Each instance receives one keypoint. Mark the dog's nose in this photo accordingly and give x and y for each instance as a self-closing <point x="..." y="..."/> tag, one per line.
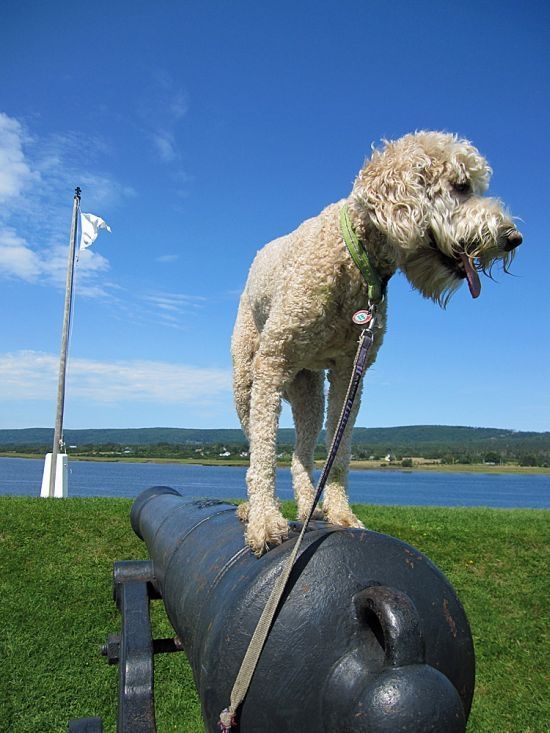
<point x="513" y="240"/>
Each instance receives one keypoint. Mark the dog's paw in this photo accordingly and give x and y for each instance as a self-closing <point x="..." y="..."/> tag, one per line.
<point x="265" y="529"/>
<point x="242" y="511"/>
<point x="303" y="514"/>
<point x="343" y="518"/>
<point x="304" y="500"/>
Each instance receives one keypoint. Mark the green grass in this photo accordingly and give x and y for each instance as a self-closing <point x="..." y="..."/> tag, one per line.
<point x="56" y="560"/>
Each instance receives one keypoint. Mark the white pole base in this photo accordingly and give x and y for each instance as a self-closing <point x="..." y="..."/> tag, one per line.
<point x="61" y="488"/>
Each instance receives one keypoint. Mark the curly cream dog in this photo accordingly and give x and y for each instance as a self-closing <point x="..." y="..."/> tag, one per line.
<point x="417" y="205"/>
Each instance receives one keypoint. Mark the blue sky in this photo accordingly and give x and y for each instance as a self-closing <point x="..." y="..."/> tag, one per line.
<point x="200" y="131"/>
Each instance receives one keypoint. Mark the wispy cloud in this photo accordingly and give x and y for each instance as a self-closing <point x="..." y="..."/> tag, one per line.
<point x="32" y="375"/>
<point x="166" y="259"/>
<point x="20" y="261"/>
<point x="162" y="109"/>
<point x="176" y="300"/>
<point x="36" y="181"/>
<point x="165" y="145"/>
<point x="17" y="259"/>
<point x="15" y="171"/>
<point x="174" y="309"/>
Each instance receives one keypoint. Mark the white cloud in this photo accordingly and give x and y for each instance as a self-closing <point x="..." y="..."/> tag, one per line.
<point x="167" y="258"/>
<point x="34" y="227"/>
<point x="32" y="375"/>
<point x="173" y="309"/>
<point x="178" y="101"/>
<point x="15" y="171"/>
<point x="165" y="145"/>
<point x="104" y="190"/>
<point x="49" y="265"/>
<point x="177" y="300"/>
<point x="162" y="108"/>
<point x="17" y="259"/>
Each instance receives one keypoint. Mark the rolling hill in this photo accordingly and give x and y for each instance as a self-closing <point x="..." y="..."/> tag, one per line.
<point x="402" y="438"/>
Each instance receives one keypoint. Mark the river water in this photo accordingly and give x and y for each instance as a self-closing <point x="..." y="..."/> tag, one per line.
<point x="23" y="476"/>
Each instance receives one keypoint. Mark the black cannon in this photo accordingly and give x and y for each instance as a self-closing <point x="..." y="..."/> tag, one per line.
<point x="369" y="636"/>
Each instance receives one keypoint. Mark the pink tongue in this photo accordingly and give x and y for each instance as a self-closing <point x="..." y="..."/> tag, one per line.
<point x="474" y="282"/>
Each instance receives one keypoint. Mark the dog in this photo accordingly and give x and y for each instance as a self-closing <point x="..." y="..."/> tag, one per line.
<point x="418" y="206"/>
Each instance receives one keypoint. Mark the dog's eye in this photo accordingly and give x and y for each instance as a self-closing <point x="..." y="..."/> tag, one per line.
<point x="462" y="187"/>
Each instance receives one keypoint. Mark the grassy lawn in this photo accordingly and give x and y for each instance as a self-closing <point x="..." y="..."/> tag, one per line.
<point x="56" y="560"/>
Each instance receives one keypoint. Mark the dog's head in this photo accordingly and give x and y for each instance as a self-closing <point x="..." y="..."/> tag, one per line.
<point x="424" y="192"/>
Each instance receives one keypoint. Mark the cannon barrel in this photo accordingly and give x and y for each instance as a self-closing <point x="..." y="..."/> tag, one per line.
<point x="370" y="636"/>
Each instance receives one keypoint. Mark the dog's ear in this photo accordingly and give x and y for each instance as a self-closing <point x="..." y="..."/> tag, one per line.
<point x="392" y="186"/>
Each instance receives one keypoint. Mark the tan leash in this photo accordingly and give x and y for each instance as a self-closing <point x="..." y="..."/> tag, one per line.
<point x="228" y="717"/>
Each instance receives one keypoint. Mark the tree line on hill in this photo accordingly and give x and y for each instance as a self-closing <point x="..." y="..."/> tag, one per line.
<point x="448" y="444"/>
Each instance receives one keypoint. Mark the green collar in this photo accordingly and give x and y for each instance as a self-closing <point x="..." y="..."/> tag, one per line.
<point x="376" y="288"/>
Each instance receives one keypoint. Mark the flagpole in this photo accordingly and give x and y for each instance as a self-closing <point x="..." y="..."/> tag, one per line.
<point x="58" y="432"/>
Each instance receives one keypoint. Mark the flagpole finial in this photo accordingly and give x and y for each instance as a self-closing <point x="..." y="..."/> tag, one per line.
<point x="77" y="193"/>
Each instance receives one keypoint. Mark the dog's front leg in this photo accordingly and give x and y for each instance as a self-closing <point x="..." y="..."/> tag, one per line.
<point x="336" y="506"/>
<point x="265" y="525"/>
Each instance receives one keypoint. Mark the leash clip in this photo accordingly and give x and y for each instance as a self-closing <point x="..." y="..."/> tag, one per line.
<point x="372" y="321"/>
<point x="370" y="325"/>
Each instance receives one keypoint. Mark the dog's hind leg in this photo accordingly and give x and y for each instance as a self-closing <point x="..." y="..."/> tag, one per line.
<point x="336" y="505"/>
<point x="305" y="394"/>
<point x="244" y="344"/>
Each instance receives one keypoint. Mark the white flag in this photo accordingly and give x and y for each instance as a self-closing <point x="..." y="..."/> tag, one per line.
<point x="90" y="226"/>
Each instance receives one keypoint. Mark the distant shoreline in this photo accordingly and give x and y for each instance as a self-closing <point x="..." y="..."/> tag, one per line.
<point x="355" y="465"/>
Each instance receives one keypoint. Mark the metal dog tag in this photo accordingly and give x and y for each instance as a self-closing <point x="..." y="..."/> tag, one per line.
<point x="362" y="317"/>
